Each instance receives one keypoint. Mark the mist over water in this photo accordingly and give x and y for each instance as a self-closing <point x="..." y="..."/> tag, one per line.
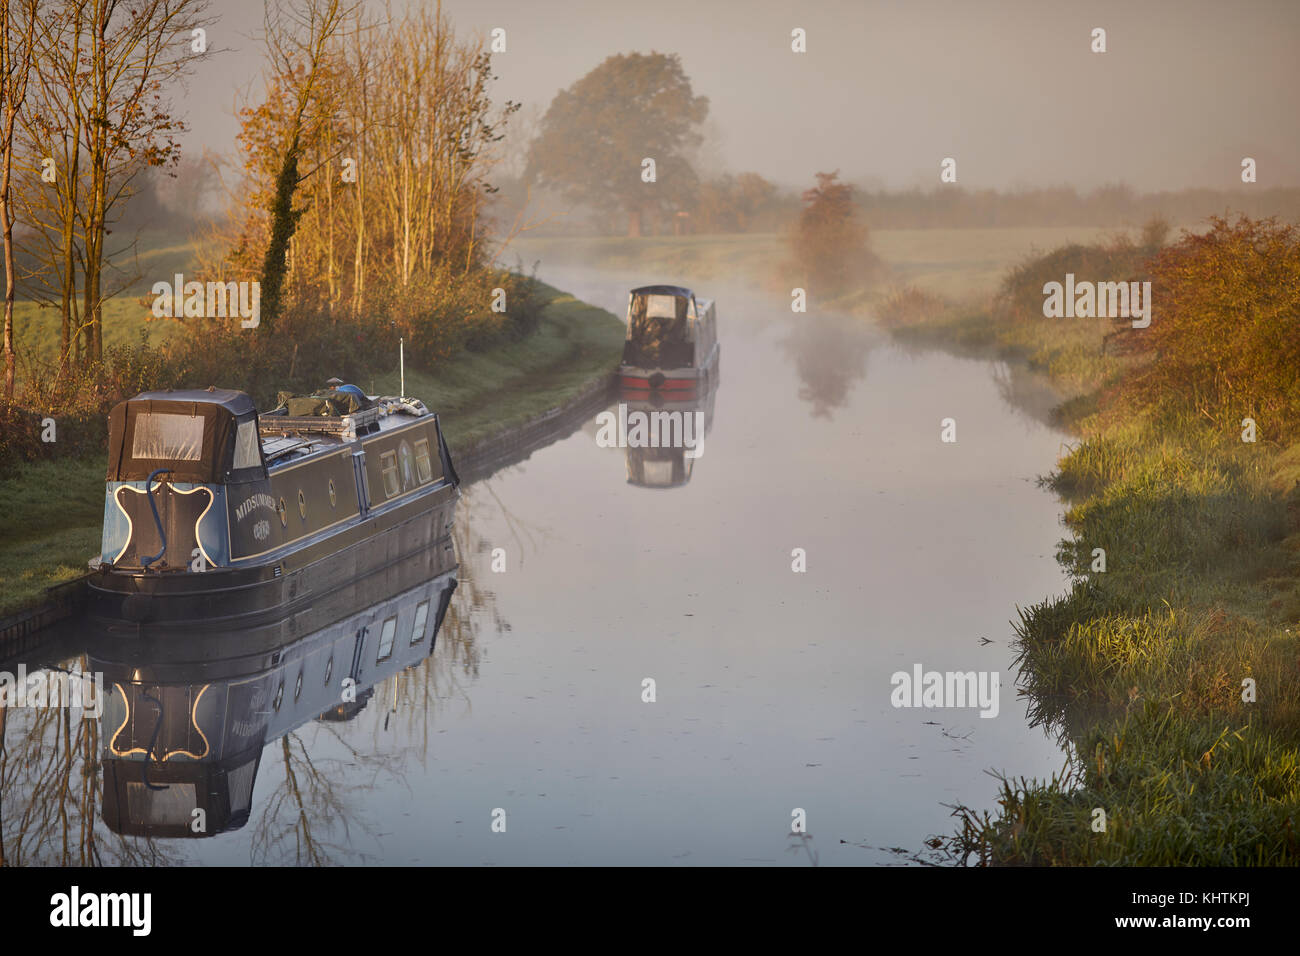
<point x="773" y="687"/>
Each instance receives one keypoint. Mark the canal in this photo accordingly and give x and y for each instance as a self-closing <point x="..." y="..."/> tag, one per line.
<point x="529" y="735"/>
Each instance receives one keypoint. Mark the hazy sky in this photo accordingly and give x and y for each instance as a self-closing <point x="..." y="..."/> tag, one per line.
<point x="886" y="90"/>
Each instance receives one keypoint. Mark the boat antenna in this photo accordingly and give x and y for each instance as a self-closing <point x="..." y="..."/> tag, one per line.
<point x="401" y="364"/>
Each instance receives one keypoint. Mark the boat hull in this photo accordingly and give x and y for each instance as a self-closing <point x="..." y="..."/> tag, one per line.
<point x="296" y="592"/>
<point x="675" y="384"/>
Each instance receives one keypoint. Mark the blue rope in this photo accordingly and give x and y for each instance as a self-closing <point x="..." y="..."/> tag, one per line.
<point x="148" y="490"/>
<point x="153" y="742"/>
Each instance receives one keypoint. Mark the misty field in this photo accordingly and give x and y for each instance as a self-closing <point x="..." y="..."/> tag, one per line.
<point x="955" y="263"/>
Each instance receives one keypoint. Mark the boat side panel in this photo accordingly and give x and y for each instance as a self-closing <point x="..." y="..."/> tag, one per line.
<point x="392" y="470"/>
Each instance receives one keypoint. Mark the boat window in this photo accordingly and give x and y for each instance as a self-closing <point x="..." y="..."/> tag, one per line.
<point x="388" y="465"/>
<point x="421" y="618"/>
<point x="386" y="640"/>
<point x="161" y="436"/>
<point x="661" y="306"/>
<point x="423" y="469"/>
<point x="248" y="453"/>
<point x="172" y="805"/>
<point x="659" y="472"/>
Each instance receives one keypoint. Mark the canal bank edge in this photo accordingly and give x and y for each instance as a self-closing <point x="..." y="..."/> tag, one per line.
<point x="1148" y="667"/>
<point x="583" y="391"/>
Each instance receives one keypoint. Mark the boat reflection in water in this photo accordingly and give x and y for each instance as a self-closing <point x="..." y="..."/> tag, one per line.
<point x="185" y="722"/>
<point x="670" y="464"/>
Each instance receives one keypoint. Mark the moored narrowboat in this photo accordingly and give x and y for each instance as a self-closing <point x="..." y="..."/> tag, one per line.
<point x="218" y="517"/>
<point x="672" y="340"/>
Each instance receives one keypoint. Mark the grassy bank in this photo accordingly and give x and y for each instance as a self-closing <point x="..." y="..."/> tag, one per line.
<point x="51" y="511"/>
<point x="1171" y="669"/>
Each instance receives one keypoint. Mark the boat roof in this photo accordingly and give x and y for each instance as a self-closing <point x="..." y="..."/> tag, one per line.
<point x="288" y="438"/>
<point x="237" y="403"/>
<point x="677" y="290"/>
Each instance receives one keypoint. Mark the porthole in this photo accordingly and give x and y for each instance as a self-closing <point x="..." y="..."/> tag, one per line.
<point x="279" y="695"/>
<point x="297" y="688"/>
<point x="333" y="497"/>
<point x="284" y="515"/>
<point x="302" y="505"/>
<point x="329" y="671"/>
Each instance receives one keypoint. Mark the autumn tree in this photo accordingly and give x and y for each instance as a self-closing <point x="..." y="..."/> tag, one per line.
<point x="17" y="37"/>
<point x="597" y="134"/>
<point x="99" y="116"/>
<point x="829" y="243"/>
<point x="730" y="203"/>
<point x="1224" y="339"/>
<point x="381" y="222"/>
<point x="298" y="39"/>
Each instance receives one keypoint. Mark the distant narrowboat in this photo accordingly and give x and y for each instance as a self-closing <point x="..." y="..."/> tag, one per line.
<point x="218" y="517"/>
<point x="672" y="340"/>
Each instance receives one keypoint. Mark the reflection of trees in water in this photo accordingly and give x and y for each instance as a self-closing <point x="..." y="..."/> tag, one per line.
<point x="1021" y="387"/>
<point x="50" y="791"/>
<point x="1025" y="390"/>
<point x="313" y="814"/>
<point x="319" y="779"/>
<point x="419" y="692"/>
<point x="474" y="606"/>
<point x="829" y="354"/>
<point x="310" y="816"/>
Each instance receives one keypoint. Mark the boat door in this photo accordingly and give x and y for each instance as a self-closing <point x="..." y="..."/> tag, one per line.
<point x="363" y="487"/>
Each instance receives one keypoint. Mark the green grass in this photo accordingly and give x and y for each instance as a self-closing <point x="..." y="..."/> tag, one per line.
<point x="50" y="518"/>
<point x="51" y="512"/>
<point x="480" y="393"/>
<point x="1139" y="670"/>
<point x="38" y="330"/>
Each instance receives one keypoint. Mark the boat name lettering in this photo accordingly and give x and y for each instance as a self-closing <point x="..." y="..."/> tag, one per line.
<point x="256" y="501"/>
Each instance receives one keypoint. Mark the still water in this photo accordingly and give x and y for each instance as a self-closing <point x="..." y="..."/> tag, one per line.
<point x="772" y="688"/>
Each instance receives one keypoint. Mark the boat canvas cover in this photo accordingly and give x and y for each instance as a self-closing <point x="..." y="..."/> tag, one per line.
<point x="330" y="403"/>
<point x="658" y="331"/>
<point x="191" y="432"/>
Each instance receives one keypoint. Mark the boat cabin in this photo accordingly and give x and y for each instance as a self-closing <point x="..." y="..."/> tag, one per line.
<point x="668" y="329"/>
<point x="199" y="480"/>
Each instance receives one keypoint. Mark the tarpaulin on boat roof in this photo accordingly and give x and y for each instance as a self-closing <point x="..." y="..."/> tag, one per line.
<point x="193" y="432"/>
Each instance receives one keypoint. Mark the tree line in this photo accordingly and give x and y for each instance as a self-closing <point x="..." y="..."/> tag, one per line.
<point x="590" y="151"/>
<point x="356" y="204"/>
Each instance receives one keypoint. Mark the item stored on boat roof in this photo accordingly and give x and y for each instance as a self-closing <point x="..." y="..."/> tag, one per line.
<point x="329" y="402"/>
